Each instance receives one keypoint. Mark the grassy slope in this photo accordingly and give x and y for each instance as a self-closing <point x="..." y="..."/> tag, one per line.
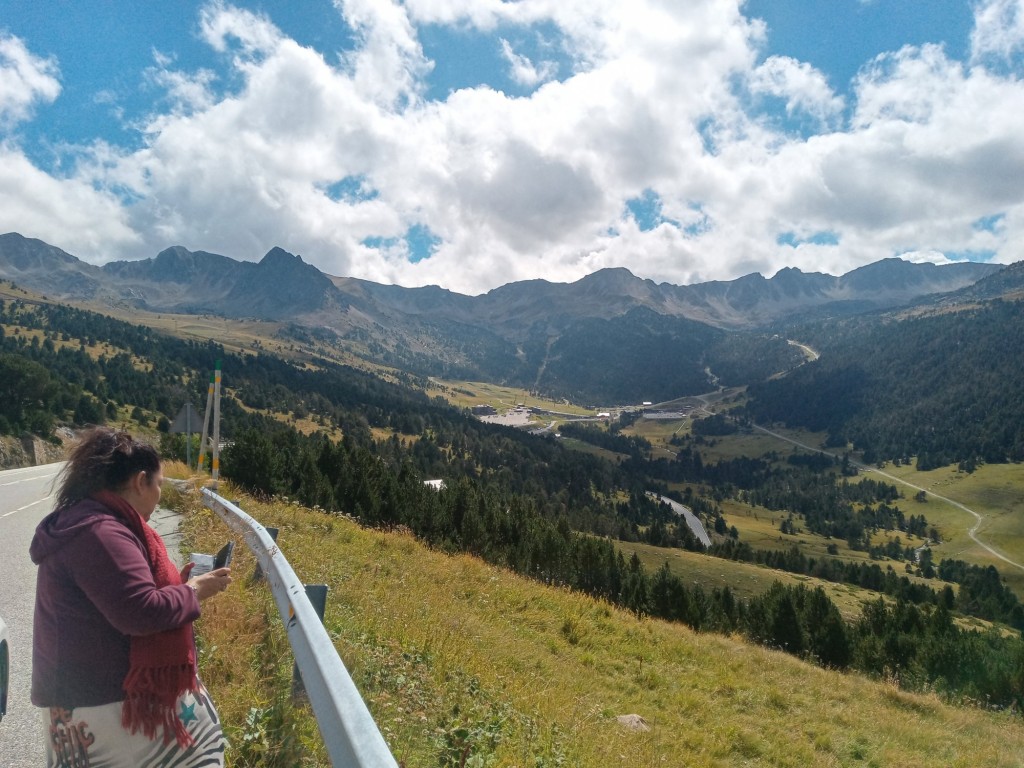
<point x="466" y="394"/>
<point x="535" y="675"/>
<point x="243" y="336"/>
<point x="745" y="579"/>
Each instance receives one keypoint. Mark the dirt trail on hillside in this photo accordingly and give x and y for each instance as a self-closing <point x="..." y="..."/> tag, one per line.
<point x="972" y="531"/>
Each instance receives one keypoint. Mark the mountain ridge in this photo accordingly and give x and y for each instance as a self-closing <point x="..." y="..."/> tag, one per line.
<point x="747" y="302"/>
<point x="530" y="333"/>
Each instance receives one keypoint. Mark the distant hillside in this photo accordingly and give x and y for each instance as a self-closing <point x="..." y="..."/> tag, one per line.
<point x="942" y="386"/>
<point x="47" y="269"/>
<point x="1007" y="283"/>
<point x="581" y="340"/>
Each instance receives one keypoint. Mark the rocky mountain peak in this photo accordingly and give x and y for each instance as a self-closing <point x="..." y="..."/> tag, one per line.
<point x="279" y="257"/>
<point x="282" y="285"/>
<point x="898" y="276"/>
<point x="27" y="254"/>
<point x="610" y="276"/>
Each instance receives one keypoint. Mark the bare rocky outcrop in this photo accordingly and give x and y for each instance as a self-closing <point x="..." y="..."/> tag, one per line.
<point x="12" y="454"/>
<point x="30" y="450"/>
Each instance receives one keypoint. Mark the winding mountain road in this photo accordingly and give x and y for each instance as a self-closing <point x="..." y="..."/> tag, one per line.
<point x="972" y="531"/>
<point x="692" y="521"/>
<point x="811" y="354"/>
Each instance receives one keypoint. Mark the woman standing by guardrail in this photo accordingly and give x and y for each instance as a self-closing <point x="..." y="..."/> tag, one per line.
<point x="114" y="658"/>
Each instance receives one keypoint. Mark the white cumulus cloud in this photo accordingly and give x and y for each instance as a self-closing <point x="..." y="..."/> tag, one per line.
<point x="25" y="80"/>
<point x="998" y="30"/>
<point x="338" y="154"/>
<point x="804" y="88"/>
<point x="523" y="71"/>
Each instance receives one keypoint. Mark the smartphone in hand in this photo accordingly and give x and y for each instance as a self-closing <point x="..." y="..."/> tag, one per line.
<point x="223" y="558"/>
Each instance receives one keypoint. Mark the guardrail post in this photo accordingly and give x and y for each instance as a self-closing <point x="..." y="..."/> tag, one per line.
<point x="257" y="575"/>
<point x="317" y="594"/>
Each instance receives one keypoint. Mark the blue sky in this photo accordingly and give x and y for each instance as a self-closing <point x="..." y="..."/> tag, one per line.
<point x="469" y="143"/>
<point x="840" y="40"/>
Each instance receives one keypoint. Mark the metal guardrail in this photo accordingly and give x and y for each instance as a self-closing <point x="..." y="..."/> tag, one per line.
<point x="346" y="726"/>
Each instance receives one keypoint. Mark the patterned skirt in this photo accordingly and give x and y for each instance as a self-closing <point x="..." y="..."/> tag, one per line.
<point x="92" y="737"/>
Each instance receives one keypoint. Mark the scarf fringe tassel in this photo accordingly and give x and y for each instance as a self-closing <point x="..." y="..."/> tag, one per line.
<point x="151" y="700"/>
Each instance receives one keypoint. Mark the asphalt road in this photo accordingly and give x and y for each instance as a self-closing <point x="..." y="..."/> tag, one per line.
<point x="25" y="499"/>
<point x="686" y="513"/>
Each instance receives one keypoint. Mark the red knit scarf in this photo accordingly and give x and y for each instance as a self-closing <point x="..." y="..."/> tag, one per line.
<point x="162" y="666"/>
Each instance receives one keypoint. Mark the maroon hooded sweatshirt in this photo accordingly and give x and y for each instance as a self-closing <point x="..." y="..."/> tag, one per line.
<point x="94" y="590"/>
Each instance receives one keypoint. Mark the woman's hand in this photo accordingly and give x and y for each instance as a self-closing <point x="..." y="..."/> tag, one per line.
<point x="209" y="584"/>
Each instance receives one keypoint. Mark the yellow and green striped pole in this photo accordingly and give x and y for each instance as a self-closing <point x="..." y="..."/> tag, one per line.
<point x="206" y="425"/>
<point x="216" y="425"/>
